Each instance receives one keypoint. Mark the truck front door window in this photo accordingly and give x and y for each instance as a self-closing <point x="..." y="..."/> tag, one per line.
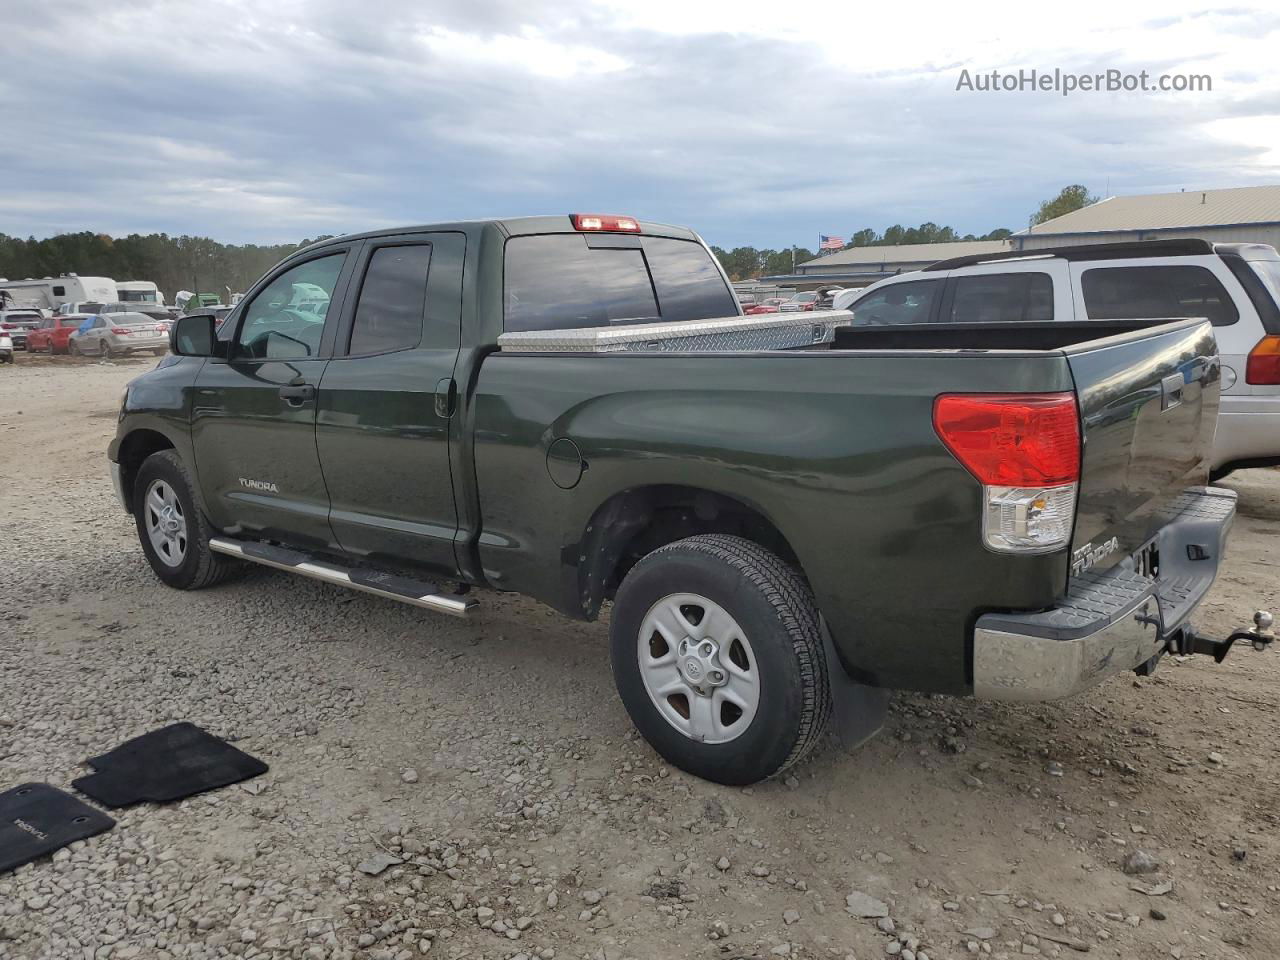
<point x="285" y="320"/>
<point x="900" y="303"/>
<point x="1162" y="291"/>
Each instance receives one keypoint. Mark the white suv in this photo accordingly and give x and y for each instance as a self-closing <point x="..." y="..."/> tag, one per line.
<point x="1235" y="285"/>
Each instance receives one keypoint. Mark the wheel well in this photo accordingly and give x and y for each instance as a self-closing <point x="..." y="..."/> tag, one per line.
<point x="636" y="522"/>
<point x="134" y="449"/>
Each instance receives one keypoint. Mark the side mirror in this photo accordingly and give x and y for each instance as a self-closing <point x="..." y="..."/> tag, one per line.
<point x="194" y="337"/>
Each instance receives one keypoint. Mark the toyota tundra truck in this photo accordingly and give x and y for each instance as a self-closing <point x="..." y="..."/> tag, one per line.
<point x="789" y="516"/>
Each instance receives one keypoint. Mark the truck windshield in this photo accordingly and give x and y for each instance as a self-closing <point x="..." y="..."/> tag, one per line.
<point x="138" y="296"/>
<point x="558" y="282"/>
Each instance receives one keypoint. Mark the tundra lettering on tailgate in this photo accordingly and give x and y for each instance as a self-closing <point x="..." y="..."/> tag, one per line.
<point x="265" y="485"/>
<point x="1086" y="556"/>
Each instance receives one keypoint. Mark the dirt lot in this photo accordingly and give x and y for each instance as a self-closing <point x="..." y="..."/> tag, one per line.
<point x="494" y="759"/>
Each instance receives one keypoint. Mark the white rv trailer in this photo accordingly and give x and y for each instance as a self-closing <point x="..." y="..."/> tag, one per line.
<point x="139" y="291"/>
<point x="50" y="293"/>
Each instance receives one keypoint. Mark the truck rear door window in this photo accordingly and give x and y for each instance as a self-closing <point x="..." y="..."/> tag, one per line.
<point x="393" y="298"/>
<point x="559" y="281"/>
<point x="1002" y="298"/>
<point x="1158" y="291"/>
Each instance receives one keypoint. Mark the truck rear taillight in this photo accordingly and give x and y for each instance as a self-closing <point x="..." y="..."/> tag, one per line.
<point x="604" y="223"/>
<point x="1264" y="362"/>
<point x="1025" y="450"/>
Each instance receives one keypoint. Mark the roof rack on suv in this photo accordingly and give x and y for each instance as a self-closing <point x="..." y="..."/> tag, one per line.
<point x="1089" y="251"/>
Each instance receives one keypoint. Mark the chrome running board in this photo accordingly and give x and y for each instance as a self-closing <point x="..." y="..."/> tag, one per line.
<point x="419" y="593"/>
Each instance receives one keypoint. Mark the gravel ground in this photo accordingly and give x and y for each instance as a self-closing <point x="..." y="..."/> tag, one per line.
<point x="486" y="773"/>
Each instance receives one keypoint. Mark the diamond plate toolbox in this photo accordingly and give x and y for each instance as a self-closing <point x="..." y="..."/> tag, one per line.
<point x="765" y="332"/>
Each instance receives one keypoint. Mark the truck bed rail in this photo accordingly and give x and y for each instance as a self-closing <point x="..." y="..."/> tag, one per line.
<point x="778" y="331"/>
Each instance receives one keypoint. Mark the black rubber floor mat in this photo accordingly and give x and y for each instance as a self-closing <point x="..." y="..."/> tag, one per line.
<point x="37" y="819"/>
<point x="168" y="764"/>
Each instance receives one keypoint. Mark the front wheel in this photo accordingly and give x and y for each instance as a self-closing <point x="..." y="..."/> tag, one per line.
<point x="173" y="532"/>
<point x="717" y="654"/>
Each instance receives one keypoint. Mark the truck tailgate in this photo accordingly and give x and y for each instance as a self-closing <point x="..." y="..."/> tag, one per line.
<point x="1148" y="411"/>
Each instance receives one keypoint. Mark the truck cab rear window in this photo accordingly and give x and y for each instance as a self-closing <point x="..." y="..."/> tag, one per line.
<point x="558" y="282"/>
<point x="1159" y="291"/>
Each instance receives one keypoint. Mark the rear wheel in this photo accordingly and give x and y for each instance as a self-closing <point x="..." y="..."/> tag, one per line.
<point x="104" y="348"/>
<point x="173" y="532"/>
<point x="717" y="655"/>
<point x="73" y="348"/>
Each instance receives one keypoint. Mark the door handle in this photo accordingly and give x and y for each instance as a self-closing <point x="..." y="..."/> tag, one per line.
<point x="446" y="395"/>
<point x="298" y="393"/>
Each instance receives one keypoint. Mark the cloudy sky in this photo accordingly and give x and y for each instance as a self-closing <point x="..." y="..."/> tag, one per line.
<point x="759" y="124"/>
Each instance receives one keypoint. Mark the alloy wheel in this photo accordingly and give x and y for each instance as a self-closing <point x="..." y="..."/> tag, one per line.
<point x="166" y="523"/>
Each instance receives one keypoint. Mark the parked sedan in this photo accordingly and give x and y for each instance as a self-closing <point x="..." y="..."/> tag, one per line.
<point x="155" y="311"/>
<point x="17" y="323"/>
<point x="771" y="305"/>
<point x="801" y="302"/>
<point x="53" y="333"/>
<point x="118" y="334"/>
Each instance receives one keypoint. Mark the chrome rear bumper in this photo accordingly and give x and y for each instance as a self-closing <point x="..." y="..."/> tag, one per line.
<point x="1110" y="622"/>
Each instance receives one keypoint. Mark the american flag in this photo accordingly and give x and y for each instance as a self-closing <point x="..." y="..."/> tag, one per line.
<point x="830" y="243"/>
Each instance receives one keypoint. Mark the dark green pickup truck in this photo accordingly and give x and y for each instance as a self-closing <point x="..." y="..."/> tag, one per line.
<point x="790" y="516"/>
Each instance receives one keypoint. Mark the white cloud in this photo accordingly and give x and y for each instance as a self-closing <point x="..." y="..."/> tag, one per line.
<point x="525" y="52"/>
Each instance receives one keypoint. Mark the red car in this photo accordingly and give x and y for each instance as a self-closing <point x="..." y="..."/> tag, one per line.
<point x="772" y="305"/>
<point x="800" y="303"/>
<point x="53" y="333"/>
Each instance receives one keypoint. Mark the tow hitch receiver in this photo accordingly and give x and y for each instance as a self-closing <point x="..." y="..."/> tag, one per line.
<point x="1261" y="636"/>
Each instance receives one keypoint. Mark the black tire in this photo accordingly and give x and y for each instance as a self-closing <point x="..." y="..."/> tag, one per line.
<point x="773" y="605"/>
<point x="200" y="567"/>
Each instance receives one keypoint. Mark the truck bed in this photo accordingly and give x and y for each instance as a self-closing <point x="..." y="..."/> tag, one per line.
<point x="834" y="444"/>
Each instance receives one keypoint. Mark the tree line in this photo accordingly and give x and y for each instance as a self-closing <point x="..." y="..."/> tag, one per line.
<point x="179" y="263"/>
<point x="742" y="263"/>
<point x="173" y="263"/>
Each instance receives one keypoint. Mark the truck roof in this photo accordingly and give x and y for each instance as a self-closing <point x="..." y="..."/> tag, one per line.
<point x="511" y="227"/>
